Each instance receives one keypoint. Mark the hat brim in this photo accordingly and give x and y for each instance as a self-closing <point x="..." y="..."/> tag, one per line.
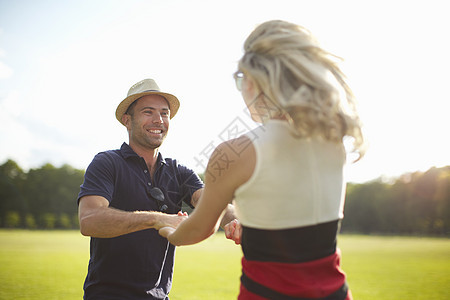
<point x="174" y="104"/>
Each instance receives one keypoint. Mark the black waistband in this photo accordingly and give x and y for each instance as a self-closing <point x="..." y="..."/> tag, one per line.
<point x="268" y="293"/>
<point x="293" y="245"/>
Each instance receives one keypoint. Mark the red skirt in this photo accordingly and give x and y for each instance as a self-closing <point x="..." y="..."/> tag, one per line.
<point x="309" y="280"/>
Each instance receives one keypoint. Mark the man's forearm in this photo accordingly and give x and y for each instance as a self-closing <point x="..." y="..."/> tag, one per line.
<point x="106" y="222"/>
<point x="228" y="216"/>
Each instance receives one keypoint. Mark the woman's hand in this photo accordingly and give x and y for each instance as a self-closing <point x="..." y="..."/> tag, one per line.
<point x="233" y="231"/>
<point x="166" y="231"/>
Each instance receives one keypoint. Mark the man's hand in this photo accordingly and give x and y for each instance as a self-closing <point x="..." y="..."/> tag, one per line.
<point x="168" y="220"/>
<point x="233" y="231"/>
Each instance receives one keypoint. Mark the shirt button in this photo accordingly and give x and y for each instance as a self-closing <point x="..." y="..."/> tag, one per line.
<point x="145" y="171"/>
<point x="149" y="183"/>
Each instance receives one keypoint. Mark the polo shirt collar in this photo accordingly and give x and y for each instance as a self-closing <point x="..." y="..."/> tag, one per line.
<point x="128" y="152"/>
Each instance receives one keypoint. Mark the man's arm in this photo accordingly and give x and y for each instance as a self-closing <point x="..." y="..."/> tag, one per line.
<point x="97" y="219"/>
<point x="228" y="216"/>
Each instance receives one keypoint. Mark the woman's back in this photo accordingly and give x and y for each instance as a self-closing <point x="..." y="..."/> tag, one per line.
<point x="290" y="210"/>
<point x="295" y="182"/>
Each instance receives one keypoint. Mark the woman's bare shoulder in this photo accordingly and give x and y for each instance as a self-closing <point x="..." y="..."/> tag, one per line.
<point x="233" y="160"/>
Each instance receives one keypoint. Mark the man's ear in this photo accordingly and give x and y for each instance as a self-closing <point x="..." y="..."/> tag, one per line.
<point x="126" y="118"/>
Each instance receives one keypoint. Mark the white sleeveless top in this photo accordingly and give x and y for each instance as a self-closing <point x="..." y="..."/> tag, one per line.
<point x="296" y="182"/>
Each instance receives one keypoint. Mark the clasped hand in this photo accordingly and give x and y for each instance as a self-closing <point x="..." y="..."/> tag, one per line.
<point x="170" y="220"/>
<point x="233" y="230"/>
<point x="170" y="227"/>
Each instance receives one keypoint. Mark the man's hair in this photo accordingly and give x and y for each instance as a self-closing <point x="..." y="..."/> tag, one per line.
<point x="130" y="109"/>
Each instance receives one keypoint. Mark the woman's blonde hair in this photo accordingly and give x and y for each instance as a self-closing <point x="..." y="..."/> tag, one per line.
<point x="304" y="81"/>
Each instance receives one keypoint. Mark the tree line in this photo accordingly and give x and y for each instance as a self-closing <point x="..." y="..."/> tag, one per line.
<point x="414" y="203"/>
<point x="43" y="198"/>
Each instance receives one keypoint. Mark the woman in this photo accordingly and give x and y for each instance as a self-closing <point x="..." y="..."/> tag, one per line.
<point x="285" y="178"/>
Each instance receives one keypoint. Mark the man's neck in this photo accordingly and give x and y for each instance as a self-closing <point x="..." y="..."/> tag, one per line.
<point x="149" y="155"/>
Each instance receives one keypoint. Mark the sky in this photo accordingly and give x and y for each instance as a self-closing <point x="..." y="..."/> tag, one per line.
<point x="65" y="66"/>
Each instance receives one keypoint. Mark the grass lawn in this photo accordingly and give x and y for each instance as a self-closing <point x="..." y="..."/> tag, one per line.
<point x="53" y="264"/>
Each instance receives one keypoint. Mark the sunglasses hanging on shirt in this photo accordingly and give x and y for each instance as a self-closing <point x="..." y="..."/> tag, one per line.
<point x="158" y="195"/>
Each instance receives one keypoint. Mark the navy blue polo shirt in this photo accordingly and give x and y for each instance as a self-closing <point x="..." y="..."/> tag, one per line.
<point x="138" y="265"/>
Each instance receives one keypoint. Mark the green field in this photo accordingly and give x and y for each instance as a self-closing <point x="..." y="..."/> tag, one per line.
<point x="52" y="265"/>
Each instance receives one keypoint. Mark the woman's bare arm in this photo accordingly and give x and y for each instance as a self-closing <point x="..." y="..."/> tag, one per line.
<point x="227" y="170"/>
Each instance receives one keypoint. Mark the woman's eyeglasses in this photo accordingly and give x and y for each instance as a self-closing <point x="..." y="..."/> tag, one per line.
<point x="238" y="78"/>
<point x="158" y="195"/>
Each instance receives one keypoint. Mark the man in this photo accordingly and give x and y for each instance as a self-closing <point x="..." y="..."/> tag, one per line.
<point x="130" y="192"/>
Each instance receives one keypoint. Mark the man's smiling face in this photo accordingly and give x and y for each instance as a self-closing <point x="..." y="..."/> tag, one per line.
<point x="148" y="121"/>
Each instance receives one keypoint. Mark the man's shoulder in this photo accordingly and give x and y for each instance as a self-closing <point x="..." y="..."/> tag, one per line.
<point x="177" y="166"/>
<point x="172" y="164"/>
<point x="106" y="159"/>
<point x="170" y="161"/>
<point x="109" y="154"/>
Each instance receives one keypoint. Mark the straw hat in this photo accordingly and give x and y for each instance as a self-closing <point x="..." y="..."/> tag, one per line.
<point x="144" y="88"/>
